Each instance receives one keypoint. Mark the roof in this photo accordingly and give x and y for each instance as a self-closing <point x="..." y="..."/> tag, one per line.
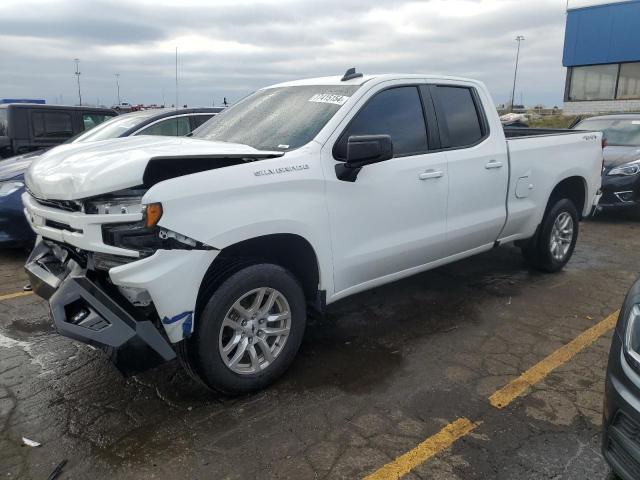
<point x="157" y="113"/>
<point x="337" y="80"/>
<point x="48" y="106"/>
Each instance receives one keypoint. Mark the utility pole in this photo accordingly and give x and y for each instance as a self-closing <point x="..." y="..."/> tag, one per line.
<point x="117" y="75"/>
<point x="519" y="39"/>
<point x="176" y="78"/>
<point x="77" y="60"/>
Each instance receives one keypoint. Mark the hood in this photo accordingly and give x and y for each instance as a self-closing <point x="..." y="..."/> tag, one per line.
<point x="16" y="166"/>
<point x="614" y="156"/>
<point x="80" y="170"/>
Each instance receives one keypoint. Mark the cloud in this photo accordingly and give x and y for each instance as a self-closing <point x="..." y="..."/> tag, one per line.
<point x="232" y="48"/>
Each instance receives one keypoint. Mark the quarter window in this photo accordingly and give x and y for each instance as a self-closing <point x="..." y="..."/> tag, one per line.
<point x="90" y="120"/>
<point x="172" y="127"/>
<point x="52" y="125"/>
<point x="200" y="119"/>
<point x="396" y="112"/>
<point x="458" y="117"/>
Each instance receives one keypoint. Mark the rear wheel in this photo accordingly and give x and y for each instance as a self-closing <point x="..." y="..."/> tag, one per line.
<point x="249" y="330"/>
<point x="553" y="246"/>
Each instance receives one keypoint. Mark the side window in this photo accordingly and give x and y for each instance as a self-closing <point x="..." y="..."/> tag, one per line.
<point x="458" y="117"/>
<point x="90" y="120"/>
<point x="171" y="127"/>
<point x="396" y="112"/>
<point x="200" y="119"/>
<point x="4" y="122"/>
<point x="52" y="124"/>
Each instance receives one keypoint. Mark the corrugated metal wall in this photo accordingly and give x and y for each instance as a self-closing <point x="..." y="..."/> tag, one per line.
<point x="603" y="34"/>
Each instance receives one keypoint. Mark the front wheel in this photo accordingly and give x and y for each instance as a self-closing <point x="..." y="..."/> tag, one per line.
<point x="249" y="330"/>
<point x="553" y="246"/>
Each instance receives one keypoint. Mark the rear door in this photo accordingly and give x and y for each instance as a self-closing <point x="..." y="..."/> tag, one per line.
<point x="392" y="218"/>
<point x="478" y="168"/>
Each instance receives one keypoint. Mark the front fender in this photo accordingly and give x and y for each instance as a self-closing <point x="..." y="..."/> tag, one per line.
<point x="228" y="205"/>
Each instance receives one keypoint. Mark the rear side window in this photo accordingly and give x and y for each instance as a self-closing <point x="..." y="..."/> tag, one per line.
<point x="171" y="127"/>
<point x="52" y="124"/>
<point x="461" y="124"/>
<point x="4" y="122"/>
<point x="396" y="112"/>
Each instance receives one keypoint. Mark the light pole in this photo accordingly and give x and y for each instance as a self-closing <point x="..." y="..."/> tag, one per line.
<point x="519" y="39"/>
<point x="77" y="60"/>
<point x="117" y="75"/>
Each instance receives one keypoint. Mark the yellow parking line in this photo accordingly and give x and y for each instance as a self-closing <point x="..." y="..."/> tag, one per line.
<point x="14" y="295"/>
<point x="425" y="450"/>
<point x="515" y="388"/>
<point x="500" y="399"/>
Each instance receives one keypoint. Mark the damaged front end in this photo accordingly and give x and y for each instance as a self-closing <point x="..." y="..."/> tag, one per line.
<point x="129" y="287"/>
<point x="87" y="308"/>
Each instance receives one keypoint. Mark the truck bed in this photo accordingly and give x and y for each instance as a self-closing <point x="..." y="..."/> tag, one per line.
<point x="519" y="132"/>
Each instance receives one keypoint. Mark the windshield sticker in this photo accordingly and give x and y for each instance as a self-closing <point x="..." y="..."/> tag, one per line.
<point x="635" y="122"/>
<point x="329" y="98"/>
<point x="284" y="147"/>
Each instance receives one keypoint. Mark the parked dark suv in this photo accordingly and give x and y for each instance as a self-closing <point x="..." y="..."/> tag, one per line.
<point x="25" y="127"/>
<point x="14" y="229"/>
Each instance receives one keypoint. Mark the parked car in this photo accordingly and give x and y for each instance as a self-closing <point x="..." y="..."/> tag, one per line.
<point x="14" y="228"/>
<point x="213" y="247"/>
<point x="621" y="421"/>
<point x="25" y="127"/>
<point x="621" y="169"/>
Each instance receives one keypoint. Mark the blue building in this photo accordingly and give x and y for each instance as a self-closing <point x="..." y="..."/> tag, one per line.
<point x="22" y="100"/>
<point x="602" y="56"/>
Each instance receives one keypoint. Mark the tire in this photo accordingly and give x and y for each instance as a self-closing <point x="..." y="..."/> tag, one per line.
<point x="548" y="251"/>
<point x="229" y="320"/>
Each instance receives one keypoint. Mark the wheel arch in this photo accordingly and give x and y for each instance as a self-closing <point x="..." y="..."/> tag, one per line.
<point x="573" y="188"/>
<point x="289" y="250"/>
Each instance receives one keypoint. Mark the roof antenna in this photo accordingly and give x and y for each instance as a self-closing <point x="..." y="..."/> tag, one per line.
<point x="350" y="75"/>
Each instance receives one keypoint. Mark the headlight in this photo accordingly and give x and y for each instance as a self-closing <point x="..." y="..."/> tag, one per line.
<point x="114" y="205"/>
<point x="632" y="335"/>
<point x="632" y="168"/>
<point x="7" y="188"/>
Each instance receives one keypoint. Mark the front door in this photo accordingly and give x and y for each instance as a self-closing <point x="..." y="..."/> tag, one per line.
<point x="393" y="217"/>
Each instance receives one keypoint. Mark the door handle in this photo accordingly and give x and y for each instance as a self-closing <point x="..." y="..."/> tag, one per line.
<point x="430" y="174"/>
<point x="493" y="164"/>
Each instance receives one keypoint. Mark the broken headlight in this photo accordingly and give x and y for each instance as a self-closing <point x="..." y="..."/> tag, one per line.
<point x="146" y="236"/>
<point x="117" y="203"/>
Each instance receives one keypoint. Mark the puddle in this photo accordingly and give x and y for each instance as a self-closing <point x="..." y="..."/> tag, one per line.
<point x="26" y="328"/>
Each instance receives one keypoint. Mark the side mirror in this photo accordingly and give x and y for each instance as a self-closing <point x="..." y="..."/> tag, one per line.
<point x="364" y="150"/>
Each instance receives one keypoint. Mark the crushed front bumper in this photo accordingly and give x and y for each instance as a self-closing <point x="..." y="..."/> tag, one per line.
<point x="85" y="311"/>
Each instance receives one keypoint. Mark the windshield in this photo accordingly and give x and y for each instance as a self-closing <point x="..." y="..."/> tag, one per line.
<point x="113" y="128"/>
<point x="618" y="132"/>
<point x="281" y="118"/>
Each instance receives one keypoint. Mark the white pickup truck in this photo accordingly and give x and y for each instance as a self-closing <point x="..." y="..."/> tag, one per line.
<point x="213" y="248"/>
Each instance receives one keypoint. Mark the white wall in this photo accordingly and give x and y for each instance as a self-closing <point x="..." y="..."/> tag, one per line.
<point x="601" y="106"/>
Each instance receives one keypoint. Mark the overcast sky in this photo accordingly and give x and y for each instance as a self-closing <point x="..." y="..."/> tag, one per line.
<point x="230" y="48"/>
